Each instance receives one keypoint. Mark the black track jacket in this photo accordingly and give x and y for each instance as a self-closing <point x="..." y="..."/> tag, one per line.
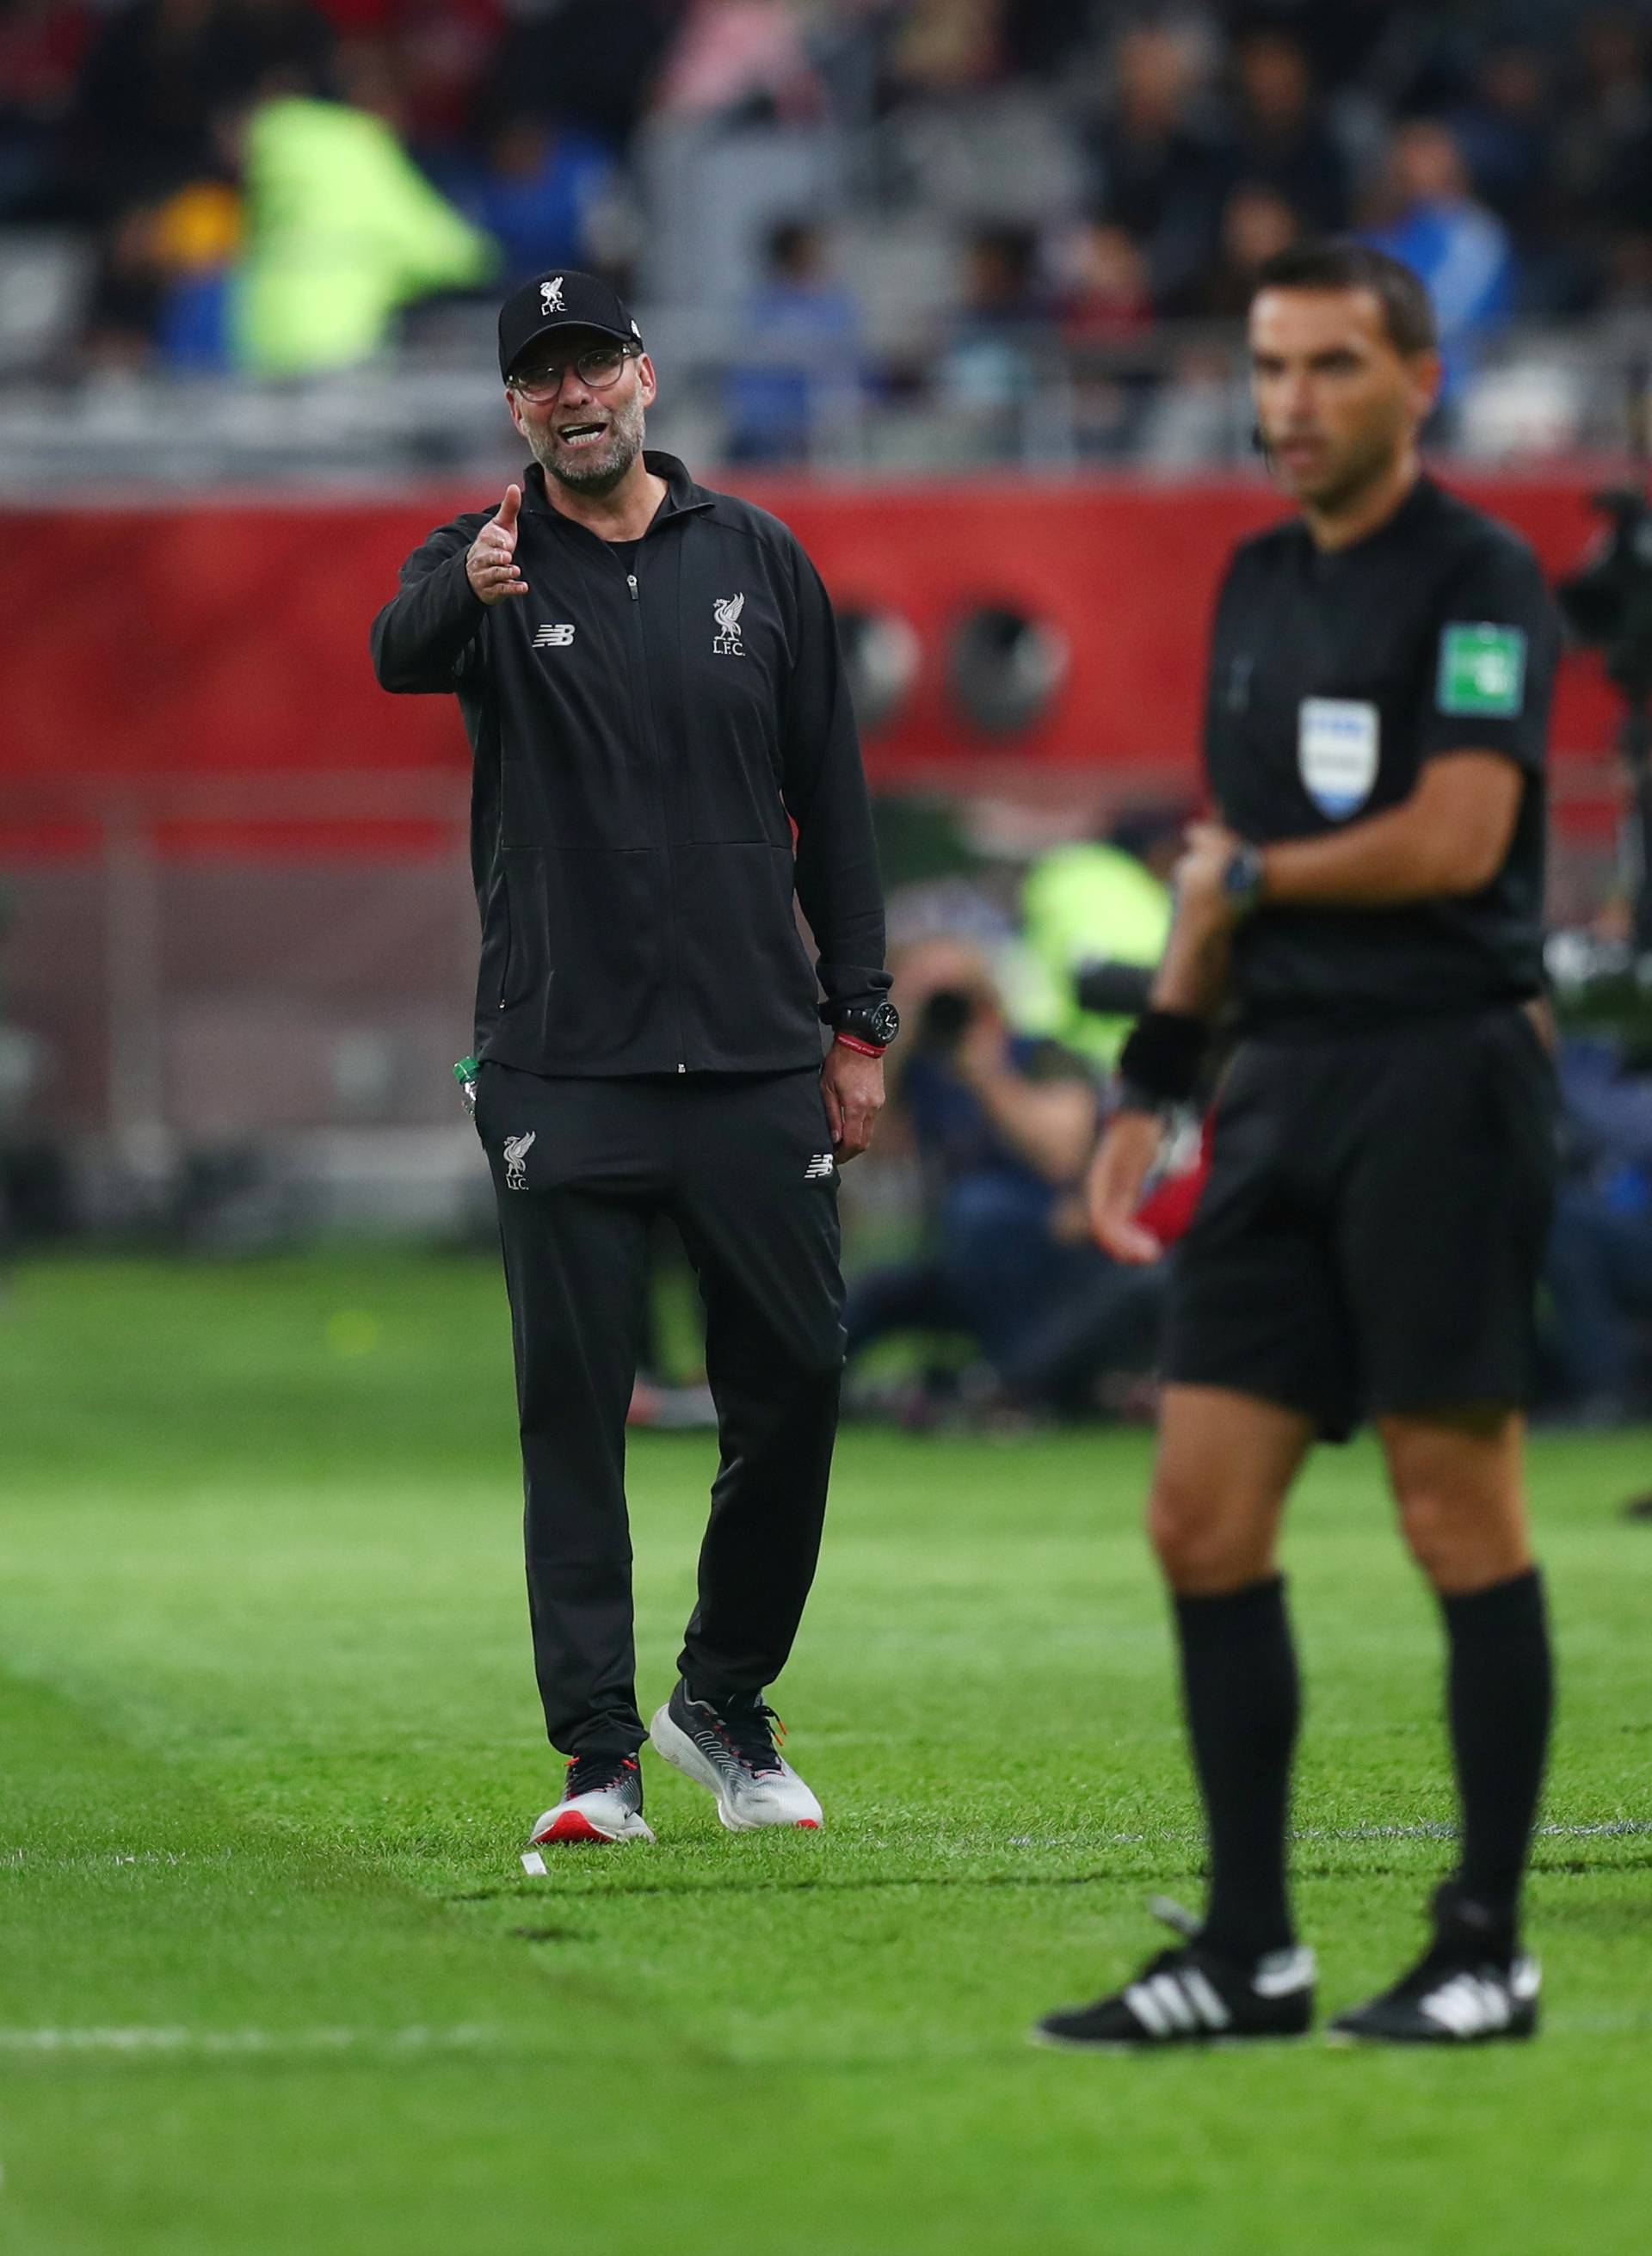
<point x="643" y="730"/>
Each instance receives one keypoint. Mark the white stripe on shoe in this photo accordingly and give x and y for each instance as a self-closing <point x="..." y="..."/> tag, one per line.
<point x="1204" y="1996"/>
<point x="1180" y="2004"/>
<point x="1147" y="2009"/>
<point x="1284" y="1972"/>
<point x="1470" y="2006"/>
<point x="1178" y="2007"/>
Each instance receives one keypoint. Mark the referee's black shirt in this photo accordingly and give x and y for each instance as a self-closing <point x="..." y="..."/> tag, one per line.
<point x="1334" y="676"/>
<point x="648" y="730"/>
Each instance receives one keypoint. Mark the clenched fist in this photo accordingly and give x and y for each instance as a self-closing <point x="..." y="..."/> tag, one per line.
<point x="491" y="563"/>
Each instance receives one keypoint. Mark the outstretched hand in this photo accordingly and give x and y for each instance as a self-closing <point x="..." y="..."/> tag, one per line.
<point x="491" y="563"/>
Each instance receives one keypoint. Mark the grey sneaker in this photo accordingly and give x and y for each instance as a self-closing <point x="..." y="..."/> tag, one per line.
<point x="601" y="1801"/>
<point x="730" y="1748"/>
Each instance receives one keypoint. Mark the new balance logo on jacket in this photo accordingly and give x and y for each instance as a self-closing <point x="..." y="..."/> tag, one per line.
<point x="553" y="637"/>
<point x="819" y="1168"/>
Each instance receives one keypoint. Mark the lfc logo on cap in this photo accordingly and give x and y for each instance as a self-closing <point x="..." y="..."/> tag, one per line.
<point x="551" y="295"/>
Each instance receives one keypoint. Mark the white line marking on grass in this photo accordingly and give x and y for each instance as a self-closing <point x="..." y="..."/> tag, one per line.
<point x="1436" y="1831"/>
<point x="463" y="2037"/>
<point x="1583" y="1832"/>
<point x="1443" y="1832"/>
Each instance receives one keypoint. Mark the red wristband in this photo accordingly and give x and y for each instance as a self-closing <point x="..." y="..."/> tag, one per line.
<point x="854" y="1042"/>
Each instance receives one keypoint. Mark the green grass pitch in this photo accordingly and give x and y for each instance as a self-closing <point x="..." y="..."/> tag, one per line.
<point x="272" y="1978"/>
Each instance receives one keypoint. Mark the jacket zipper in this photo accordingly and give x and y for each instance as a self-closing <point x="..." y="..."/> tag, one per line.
<point x="505" y="891"/>
<point x="665" y="813"/>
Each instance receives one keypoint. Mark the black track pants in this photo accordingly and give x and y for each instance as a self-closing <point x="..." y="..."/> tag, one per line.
<point x="741" y="1163"/>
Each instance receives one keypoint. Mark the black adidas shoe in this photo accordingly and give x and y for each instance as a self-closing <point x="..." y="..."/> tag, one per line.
<point x="1472" y="1985"/>
<point x="1191" y="1995"/>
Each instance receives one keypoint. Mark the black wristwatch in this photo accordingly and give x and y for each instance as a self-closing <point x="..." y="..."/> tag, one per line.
<point x="1242" y="879"/>
<point x="874" y="1026"/>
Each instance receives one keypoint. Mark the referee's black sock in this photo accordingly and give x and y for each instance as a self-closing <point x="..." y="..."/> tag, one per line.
<point x="1499" y="1697"/>
<point x="1239" y="1676"/>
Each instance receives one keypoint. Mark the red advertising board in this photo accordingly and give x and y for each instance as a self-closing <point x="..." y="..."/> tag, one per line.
<point x="229" y="639"/>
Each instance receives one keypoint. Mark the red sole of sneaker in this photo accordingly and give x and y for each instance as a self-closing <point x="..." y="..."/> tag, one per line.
<point x="809" y="1825"/>
<point x="573" y="1825"/>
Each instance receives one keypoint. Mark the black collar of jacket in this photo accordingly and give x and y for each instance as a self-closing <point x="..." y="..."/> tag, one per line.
<point x="683" y="495"/>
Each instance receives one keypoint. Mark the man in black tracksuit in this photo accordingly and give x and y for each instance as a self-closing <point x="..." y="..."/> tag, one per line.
<point x="665" y="757"/>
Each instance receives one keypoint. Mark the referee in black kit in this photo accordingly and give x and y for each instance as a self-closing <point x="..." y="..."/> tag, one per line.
<point x="1369" y="1242"/>
<point x="665" y="756"/>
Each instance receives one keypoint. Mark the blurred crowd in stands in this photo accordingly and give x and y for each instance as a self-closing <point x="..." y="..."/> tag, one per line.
<point x="270" y="184"/>
<point x="1014" y="1011"/>
<point x="977" y="1294"/>
<point x="829" y="203"/>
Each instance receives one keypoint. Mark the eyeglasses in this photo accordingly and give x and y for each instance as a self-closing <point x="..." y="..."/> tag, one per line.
<point x="596" y="370"/>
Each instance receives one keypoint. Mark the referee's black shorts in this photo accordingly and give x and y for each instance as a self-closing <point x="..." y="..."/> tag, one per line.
<point x="1370" y="1237"/>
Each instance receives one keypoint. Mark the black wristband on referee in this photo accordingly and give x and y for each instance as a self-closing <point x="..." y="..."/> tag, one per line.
<point x="1160" y="1061"/>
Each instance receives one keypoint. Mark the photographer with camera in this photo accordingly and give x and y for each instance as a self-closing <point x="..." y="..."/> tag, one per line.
<point x="1003" y="1124"/>
<point x="1600" y="1268"/>
<point x="1096" y="915"/>
<point x="1608" y="603"/>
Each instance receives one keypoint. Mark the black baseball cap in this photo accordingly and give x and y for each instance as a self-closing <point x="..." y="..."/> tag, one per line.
<point x="560" y="298"/>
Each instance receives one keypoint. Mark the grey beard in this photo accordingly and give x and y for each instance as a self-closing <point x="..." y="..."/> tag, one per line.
<point x="598" y="473"/>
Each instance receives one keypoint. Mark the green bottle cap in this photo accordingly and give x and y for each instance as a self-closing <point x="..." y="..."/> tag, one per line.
<point x="465" y="1070"/>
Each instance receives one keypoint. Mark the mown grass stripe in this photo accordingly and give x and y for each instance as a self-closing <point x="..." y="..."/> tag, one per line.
<point x="416" y="2038"/>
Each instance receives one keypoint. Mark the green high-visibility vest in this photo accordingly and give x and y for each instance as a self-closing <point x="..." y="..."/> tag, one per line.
<point x="343" y="229"/>
<point x="1081" y="903"/>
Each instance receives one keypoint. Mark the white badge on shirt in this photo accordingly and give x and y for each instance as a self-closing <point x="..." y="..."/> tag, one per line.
<point x="1336" y="751"/>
